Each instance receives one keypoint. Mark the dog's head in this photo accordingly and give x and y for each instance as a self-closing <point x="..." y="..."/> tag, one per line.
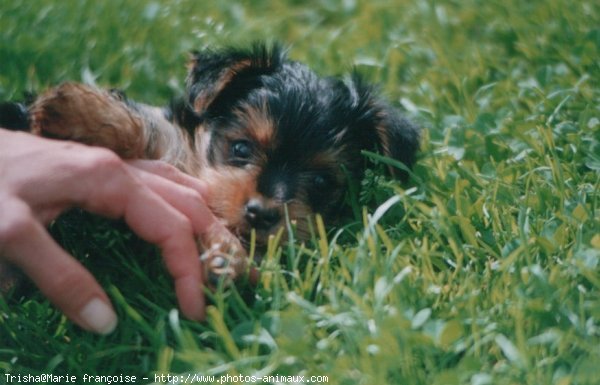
<point x="272" y="134"/>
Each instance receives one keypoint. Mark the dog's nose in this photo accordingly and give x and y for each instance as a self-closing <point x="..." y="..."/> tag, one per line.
<point x="260" y="216"/>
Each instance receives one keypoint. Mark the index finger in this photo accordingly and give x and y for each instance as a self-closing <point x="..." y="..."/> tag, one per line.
<point x="171" y="173"/>
<point x="112" y="190"/>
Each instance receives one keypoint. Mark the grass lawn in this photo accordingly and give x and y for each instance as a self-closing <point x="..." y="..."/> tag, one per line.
<point x="483" y="269"/>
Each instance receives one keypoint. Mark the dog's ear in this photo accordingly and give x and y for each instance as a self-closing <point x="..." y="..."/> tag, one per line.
<point x="216" y="79"/>
<point x="382" y="127"/>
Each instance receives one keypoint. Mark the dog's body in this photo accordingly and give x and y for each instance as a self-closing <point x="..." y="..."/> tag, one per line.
<point x="266" y="134"/>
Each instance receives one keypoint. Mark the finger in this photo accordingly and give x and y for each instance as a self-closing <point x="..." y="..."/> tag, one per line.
<point x="188" y="201"/>
<point x="166" y="227"/>
<point x="185" y="198"/>
<point x="210" y="231"/>
<point x="113" y="190"/>
<point x="171" y="173"/>
<point x="190" y="295"/>
<point x="61" y="278"/>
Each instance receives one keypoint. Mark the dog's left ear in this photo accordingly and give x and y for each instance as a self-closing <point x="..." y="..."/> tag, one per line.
<point x="382" y="127"/>
<point x="216" y="79"/>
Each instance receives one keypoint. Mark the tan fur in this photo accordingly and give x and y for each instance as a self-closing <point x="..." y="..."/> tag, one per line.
<point x="258" y="126"/>
<point x="229" y="190"/>
<point x="91" y="116"/>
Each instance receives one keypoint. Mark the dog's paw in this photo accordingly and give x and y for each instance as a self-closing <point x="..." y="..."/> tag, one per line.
<point x="224" y="258"/>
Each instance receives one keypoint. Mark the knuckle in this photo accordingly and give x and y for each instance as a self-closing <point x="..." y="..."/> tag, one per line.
<point x="175" y="235"/>
<point x="185" y="225"/>
<point x="193" y="197"/>
<point x="104" y="159"/>
<point x="179" y="229"/>
<point x="17" y="221"/>
<point x="167" y="169"/>
<point x="111" y="181"/>
<point x="171" y="172"/>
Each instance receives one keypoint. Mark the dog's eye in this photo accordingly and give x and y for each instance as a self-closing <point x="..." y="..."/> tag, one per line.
<point x="324" y="191"/>
<point x="319" y="181"/>
<point x="241" y="152"/>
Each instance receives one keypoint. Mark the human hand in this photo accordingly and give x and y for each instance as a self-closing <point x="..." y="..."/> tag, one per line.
<point x="40" y="178"/>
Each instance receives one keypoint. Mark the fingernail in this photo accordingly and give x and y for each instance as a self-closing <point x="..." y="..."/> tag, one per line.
<point x="99" y="317"/>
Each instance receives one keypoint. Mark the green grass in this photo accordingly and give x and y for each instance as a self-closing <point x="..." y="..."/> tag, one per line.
<point x="484" y="269"/>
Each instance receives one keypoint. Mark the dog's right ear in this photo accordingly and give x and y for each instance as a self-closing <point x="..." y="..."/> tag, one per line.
<point x="217" y="79"/>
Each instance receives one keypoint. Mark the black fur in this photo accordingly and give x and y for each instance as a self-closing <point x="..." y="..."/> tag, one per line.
<point x="14" y="116"/>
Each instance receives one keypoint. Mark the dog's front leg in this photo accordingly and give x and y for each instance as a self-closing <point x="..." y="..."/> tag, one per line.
<point x="89" y="115"/>
<point x="97" y="117"/>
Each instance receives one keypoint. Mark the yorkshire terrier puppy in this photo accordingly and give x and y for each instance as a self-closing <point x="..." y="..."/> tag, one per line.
<point x="266" y="133"/>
